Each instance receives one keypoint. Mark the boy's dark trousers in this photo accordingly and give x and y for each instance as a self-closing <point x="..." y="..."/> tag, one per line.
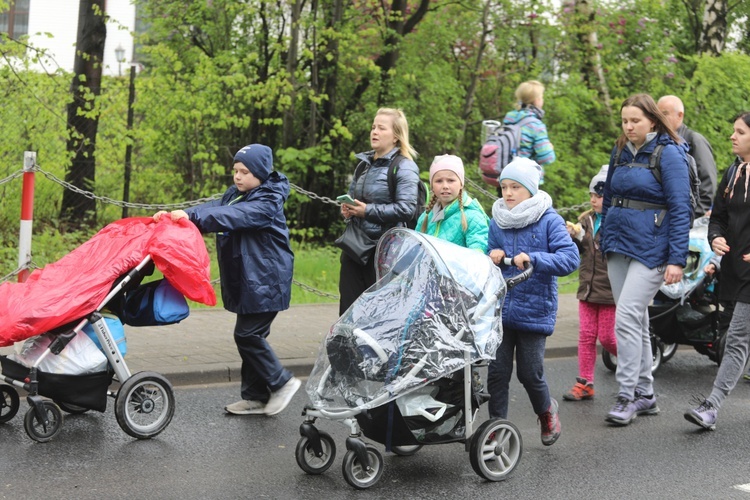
<point x="261" y="369"/>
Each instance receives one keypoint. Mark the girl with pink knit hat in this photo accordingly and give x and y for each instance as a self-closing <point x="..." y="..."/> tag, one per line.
<point x="451" y="213"/>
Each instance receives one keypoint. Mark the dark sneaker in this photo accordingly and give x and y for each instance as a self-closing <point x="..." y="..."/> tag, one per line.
<point x="704" y="415"/>
<point x="645" y="405"/>
<point x="623" y="412"/>
<point x="582" y="390"/>
<point x="550" y="421"/>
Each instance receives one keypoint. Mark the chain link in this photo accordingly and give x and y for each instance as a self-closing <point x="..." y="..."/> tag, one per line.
<point x="11" y="177"/>
<point x="112" y="201"/>
<point x="311" y="195"/>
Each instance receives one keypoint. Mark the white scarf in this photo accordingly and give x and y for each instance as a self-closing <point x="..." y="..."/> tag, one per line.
<point x="527" y="212"/>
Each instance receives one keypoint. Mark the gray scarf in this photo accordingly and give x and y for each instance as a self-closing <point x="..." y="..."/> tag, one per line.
<point x="525" y="213"/>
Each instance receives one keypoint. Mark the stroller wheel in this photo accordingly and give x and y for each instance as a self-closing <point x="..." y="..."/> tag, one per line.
<point x="496" y="449"/>
<point x="668" y="350"/>
<point x="356" y="474"/>
<point x="144" y="405"/>
<point x="657" y="352"/>
<point x="70" y="408"/>
<point x="406" y="451"/>
<point x="43" y="431"/>
<point x="9" y="403"/>
<point x="308" y="460"/>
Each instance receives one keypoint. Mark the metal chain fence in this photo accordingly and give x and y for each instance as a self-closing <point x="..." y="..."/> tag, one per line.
<point x="175" y="206"/>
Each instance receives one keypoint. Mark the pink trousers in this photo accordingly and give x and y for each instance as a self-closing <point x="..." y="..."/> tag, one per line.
<point x="596" y="321"/>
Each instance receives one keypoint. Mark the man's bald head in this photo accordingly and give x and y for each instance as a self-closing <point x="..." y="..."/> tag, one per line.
<point x="672" y="108"/>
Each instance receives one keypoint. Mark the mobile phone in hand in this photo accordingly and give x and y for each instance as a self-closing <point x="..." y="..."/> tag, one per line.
<point x="345" y="198"/>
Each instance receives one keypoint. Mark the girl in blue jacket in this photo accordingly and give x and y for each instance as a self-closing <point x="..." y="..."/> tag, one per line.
<point x="255" y="265"/>
<point x="526" y="229"/>
<point x="645" y="240"/>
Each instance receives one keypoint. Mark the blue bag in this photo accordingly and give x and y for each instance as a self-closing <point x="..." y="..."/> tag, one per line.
<point x="115" y="328"/>
<point x="153" y="304"/>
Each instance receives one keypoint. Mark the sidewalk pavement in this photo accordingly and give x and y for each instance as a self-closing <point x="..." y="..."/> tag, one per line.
<point x="201" y="349"/>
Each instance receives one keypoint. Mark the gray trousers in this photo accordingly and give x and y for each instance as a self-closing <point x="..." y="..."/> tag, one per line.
<point x="735" y="354"/>
<point x="633" y="286"/>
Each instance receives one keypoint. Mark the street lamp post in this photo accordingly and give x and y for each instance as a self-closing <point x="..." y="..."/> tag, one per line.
<point x="129" y="147"/>
<point x="120" y="56"/>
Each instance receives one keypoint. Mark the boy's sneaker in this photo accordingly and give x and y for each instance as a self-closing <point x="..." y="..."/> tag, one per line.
<point x="581" y="390"/>
<point x="704" y="415"/>
<point x="281" y="398"/>
<point x="645" y="405"/>
<point x="623" y="412"/>
<point x="246" y="407"/>
<point x="550" y="421"/>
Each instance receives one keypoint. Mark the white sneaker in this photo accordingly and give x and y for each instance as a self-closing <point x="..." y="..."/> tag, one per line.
<point x="246" y="407"/>
<point x="281" y="398"/>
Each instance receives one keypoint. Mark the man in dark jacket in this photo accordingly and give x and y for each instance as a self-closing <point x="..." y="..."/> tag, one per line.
<point x="256" y="265"/>
<point x="673" y="109"/>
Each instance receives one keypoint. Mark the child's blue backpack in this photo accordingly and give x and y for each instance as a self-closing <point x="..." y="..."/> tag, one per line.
<point x="153" y="304"/>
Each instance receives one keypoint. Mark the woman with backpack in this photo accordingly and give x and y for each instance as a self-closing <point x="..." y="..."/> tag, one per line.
<point x="373" y="208"/>
<point x="535" y="143"/>
<point x="645" y="240"/>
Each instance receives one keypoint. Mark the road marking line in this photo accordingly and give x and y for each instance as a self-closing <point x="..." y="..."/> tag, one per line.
<point x="742" y="487"/>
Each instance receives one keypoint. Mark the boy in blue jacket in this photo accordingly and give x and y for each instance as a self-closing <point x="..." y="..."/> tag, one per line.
<point x="526" y="229"/>
<point x="255" y="265"/>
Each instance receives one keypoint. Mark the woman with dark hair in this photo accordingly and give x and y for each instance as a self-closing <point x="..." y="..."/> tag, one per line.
<point x="729" y="237"/>
<point x="645" y="239"/>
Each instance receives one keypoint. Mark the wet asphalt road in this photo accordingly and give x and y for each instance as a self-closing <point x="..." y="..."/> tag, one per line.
<point x="206" y="454"/>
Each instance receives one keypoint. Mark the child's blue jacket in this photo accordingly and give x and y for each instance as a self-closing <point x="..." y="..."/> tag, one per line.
<point x="252" y="244"/>
<point x="532" y="305"/>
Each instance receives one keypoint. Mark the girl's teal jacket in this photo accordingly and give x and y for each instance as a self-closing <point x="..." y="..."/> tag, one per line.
<point x="450" y="228"/>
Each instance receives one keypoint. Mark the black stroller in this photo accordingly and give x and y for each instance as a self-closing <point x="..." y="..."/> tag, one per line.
<point x="687" y="313"/>
<point x="397" y="366"/>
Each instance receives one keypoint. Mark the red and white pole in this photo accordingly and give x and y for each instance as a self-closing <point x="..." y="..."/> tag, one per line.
<point x="27" y="215"/>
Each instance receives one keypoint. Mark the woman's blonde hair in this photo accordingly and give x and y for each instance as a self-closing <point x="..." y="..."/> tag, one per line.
<point x="400" y="131"/>
<point x="434" y="199"/>
<point x="528" y="92"/>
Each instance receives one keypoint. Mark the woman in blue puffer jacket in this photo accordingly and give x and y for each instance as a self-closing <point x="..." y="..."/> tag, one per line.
<point x="645" y="239"/>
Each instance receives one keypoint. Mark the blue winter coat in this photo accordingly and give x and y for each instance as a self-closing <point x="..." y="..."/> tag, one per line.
<point x="532" y="305"/>
<point x="371" y="187"/>
<point x="252" y="245"/>
<point x="638" y="233"/>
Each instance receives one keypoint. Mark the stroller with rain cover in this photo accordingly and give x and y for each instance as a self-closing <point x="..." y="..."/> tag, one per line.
<point x="397" y="366"/>
<point x="60" y="302"/>
<point x="688" y="312"/>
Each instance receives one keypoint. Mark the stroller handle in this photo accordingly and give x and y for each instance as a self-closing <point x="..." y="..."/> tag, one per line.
<point x="526" y="274"/>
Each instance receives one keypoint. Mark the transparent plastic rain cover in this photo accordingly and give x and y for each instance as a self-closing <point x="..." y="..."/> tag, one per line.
<point x="699" y="254"/>
<point x="435" y="307"/>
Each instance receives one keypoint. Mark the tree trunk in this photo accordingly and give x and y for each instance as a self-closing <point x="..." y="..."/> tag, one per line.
<point x="591" y="65"/>
<point x="78" y="210"/>
<point x="714" y="30"/>
<point x="471" y="91"/>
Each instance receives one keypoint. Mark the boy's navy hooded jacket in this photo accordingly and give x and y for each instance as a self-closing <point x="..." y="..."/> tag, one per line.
<point x="252" y="243"/>
<point x="654" y="237"/>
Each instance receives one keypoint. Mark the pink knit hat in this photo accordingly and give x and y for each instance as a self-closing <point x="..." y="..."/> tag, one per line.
<point x="447" y="162"/>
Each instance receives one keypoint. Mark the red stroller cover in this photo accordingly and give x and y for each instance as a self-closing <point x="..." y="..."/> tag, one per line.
<point x="75" y="285"/>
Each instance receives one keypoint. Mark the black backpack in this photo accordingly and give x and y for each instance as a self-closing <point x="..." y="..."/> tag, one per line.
<point x="654" y="164"/>
<point x="421" y="189"/>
